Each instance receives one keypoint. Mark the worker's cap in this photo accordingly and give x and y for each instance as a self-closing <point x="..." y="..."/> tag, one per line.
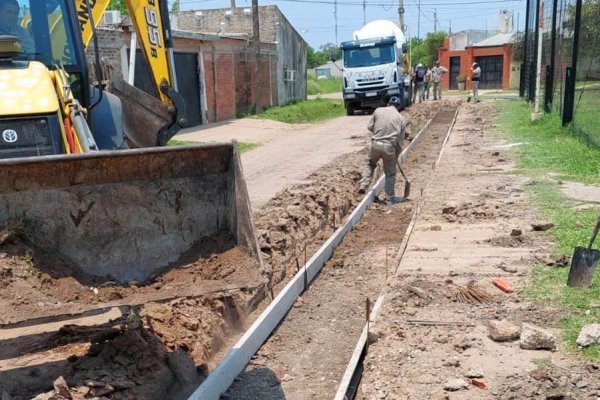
<point x="419" y="65"/>
<point x="394" y="101"/>
<point x="475" y="64"/>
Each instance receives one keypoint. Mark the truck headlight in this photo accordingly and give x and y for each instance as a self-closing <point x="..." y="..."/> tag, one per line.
<point x="349" y="96"/>
<point x="393" y="91"/>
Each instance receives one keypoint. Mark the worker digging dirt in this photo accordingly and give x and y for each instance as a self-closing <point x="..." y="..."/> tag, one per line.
<point x="388" y="130"/>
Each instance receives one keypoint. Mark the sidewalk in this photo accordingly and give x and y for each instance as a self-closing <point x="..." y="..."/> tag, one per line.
<point x="474" y="225"/>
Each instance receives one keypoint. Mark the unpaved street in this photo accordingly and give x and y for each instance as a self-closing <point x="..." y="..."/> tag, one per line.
<point x="287" y="153"/>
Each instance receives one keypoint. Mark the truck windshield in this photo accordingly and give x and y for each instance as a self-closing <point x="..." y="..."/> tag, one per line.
<point x="369" y="56"/>
<point x="42" y="27"/>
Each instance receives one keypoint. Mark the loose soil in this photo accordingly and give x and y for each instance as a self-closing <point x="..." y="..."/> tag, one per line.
<point x="475" y="223"/>
<point x="179" y="321"/>
<point x="308" y="352"/>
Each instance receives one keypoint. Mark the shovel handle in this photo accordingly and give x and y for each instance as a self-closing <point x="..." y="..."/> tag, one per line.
<point x="406" y="179"/>
<point x="595" y="233"/>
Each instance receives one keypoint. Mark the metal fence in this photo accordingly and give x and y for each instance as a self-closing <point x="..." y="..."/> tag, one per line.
<point x="569" y="31"/>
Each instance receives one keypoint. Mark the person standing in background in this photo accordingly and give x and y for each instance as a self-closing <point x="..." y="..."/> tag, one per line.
<point x="427" y="83"/>
<point x="475" y="75"/>
<point x="436" y="75"/>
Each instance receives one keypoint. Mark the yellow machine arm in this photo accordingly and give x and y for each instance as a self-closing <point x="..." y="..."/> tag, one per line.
<point x="150" y="21"/>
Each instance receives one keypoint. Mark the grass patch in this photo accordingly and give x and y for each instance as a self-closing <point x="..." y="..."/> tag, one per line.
<point x="553" y="148"/>
<point x="242" y="146"/>
<point x="305" y="111"/>
<point x="321" y="86"/>
<point x="174" y="142"/>
<point x="247" y="146"/>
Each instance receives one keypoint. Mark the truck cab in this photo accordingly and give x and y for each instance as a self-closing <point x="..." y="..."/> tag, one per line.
<point x="374" y="70"/>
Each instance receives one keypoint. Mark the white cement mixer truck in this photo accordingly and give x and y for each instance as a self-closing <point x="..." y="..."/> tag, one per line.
<point x="374" y="67"/>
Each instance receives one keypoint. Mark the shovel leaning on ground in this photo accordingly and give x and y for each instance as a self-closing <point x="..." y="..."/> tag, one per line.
<point x="584" y="262"/>
<point x="406" y="181"/>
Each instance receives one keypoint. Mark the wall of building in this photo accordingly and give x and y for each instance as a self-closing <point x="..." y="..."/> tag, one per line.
<point x="229" y="21"/>
<point x="468" y="56"/>
<point x="292" y="50"/>
<point x="226" y="67"/>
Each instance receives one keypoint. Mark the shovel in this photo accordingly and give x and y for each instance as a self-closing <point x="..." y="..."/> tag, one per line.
<point x="584" y="263"/>
<point x="406" y="182"/>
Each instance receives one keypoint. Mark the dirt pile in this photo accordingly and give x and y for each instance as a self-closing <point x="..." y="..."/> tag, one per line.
<point x="184" y="316"/>
<point x="552" y="382"/>
<point x="473" y="211"/>
<point x="121" y="362"/>
<point x="303" y="216"/>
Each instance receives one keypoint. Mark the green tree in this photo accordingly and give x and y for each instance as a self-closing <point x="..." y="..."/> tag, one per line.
<point x="118" y="5"/>
<point x="518" y="41"/>
<point x="175" y="7"/>
<point x="416" y="51"/>
<point x="314" y="58"/>
<point x="430" y="47"/>
<point x="332" y="51"/>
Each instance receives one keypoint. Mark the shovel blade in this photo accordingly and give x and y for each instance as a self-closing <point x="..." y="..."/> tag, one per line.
<point x="406" y="189"/>
<point x="583" y="265"/>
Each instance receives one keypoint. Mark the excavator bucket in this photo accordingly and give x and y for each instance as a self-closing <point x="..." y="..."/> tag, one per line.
<point x="128" y="215"/>
<point x="144" y="116"/>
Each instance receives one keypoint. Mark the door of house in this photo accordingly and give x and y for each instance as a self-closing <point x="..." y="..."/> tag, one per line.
<point x="188" y="79"/>
<point x="454" y="72"/>
<point x="491" y="72"/>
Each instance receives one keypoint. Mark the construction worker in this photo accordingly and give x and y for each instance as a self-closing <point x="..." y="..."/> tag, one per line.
<point x="420" y="73"/>
<point x="427" y="84"/>
<point x="9" y="25"/>
<point x="387" y="129"/>
<point x="475" y="75"/>
<point x="436" y="74"/>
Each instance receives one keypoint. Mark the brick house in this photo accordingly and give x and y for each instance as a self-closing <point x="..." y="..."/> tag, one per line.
<point x="216" y="72"/>
<point x="290" y="47"/>
<point x="494" y="55"/>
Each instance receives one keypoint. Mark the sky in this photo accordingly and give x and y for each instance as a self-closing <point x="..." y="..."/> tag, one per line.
<point x="316" y="21"/>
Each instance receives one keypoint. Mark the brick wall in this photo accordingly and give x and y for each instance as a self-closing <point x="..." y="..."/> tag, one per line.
<point x="229" y="70"/>
<point x="235" y="21"/>
<point x="468" y="56"/>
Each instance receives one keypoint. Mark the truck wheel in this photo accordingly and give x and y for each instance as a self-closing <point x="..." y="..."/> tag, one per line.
<point x="349" y="109"/>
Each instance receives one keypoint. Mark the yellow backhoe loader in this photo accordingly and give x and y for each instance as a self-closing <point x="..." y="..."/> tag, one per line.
<point x="83" y="171"/>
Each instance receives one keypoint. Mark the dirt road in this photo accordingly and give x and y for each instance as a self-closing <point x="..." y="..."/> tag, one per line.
<point x="287" y="153"/>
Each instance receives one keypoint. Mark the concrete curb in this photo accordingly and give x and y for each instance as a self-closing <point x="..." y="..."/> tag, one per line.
<point x="240" y="354"/>
<point x="362" y="341"/>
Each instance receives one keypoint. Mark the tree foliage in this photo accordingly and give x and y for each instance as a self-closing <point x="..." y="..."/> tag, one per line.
<point x="426" y="51"/>
<point x="118" y="5"/>
<point x="518" y="43"/>
<point x="325" y="53"/>
<point x="589" y="34"/>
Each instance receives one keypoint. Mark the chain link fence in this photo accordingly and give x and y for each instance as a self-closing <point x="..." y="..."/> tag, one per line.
<point x="569" y="31"/>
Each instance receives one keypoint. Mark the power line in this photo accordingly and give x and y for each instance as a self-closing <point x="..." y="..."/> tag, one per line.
<point x="360" y="3"/>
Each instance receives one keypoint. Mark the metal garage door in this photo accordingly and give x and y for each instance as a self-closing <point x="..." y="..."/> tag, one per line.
<point x="454" y="71"/>
<point x="491" y="72"/>
<point x="186" y="67"/>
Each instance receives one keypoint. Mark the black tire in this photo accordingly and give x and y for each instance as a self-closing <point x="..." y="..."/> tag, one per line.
<point x="349" y="109"/>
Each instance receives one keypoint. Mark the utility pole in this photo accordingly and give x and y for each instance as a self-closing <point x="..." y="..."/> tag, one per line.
<point x="401" y="14"/>
<point x="418" y="27"/>
<point x="335" y="17"/>
<point x="364" y="12"/>
<point x="434" y="20"/>
<point x="419" y="20"/>
<point x="256" y="40"/>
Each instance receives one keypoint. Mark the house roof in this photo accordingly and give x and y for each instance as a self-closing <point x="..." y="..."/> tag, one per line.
<point x="497" y="40"/>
